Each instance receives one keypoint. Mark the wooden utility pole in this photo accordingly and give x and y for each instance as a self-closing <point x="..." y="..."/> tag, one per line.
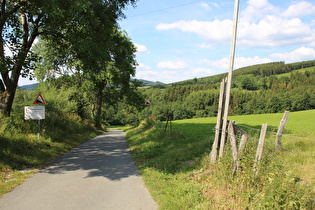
<point x="229" y="80"/>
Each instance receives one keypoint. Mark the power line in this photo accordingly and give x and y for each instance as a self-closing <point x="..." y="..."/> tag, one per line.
<point x="159" y="10"/>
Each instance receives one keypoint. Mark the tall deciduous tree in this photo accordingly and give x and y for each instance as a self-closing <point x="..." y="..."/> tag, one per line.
<point x="22" y="21"/>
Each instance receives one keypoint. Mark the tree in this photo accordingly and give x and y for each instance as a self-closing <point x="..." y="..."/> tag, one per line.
<point x="23" y="21"/>
<point x="105" y="76"/>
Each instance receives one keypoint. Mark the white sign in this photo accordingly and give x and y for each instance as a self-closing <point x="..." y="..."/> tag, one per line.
<point x="34" y="112"/>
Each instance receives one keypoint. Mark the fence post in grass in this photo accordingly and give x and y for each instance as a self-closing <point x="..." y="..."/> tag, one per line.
<point x="260" y="147"/>
<point x="241" y="147"/>
<point x="171" y="119"/>
<point x="281" y="129"/>
<point x="233" y="146"/>
<point x="214" y="151"/>
<point x="166" y="124"/>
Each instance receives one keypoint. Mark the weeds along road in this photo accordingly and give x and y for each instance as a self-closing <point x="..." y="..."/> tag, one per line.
<point x="99" y="174"/>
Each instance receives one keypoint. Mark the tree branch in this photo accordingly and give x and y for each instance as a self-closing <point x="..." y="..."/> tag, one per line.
<point x="5" y="14"/>
<point x="2" y="87"/>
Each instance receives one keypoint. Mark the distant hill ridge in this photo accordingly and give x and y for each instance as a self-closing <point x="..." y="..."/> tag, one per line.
<point x="267" y="69"/>
<point x="144" y="83"/>
<point x="29" y="87"/>
<point x="264" y="70"/>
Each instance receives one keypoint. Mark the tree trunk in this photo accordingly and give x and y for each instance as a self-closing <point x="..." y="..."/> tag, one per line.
<point x="7" y="102"/>
<point x="99" y="103"/>
<point x="7" y="90"/>
<point x="10" y="76"/>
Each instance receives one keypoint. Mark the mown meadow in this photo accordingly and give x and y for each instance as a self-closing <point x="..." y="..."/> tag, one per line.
<point x="176" y="169"/>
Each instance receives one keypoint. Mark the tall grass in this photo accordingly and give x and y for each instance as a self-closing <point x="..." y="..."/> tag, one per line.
<point x="176" y="169"/>
<point x="166" y="160"/>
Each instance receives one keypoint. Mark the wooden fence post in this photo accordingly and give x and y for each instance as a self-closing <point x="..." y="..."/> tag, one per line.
<point x="171" y="119"/>
<point x="233" y="146"/>
<point x="281" y="129"/>
<point x="214" y="151"/>
<point x="241" y="147"/>
<point x="260" y="147"/>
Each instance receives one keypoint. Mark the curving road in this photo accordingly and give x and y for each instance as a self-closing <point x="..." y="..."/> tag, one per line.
<point x="99" y="174"/>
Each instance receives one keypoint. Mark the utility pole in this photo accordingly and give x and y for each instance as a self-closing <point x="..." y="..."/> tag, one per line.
<point x="229" y="80"/>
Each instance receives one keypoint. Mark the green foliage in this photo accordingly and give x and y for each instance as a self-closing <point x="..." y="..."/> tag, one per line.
<point x="104" y="77"/>
<point x="58" y="23"/>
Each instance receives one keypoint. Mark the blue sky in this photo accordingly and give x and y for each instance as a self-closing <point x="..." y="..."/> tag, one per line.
<point x="184" y="39"/>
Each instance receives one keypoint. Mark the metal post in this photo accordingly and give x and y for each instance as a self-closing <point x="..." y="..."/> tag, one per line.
<point x="229" y="81"/>
<point x="38" y="129"/>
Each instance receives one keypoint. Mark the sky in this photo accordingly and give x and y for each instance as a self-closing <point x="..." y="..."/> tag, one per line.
<point x="184" y="39"/>
<point x="178" y="40"/>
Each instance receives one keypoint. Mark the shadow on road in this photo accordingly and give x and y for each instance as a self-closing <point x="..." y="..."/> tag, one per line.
<point x="106" y="155"/>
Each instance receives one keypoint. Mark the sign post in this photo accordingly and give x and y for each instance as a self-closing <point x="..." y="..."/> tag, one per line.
<point x="39" y="100"/>
<point x="147" y="103"/>
<point x="36" y="112"/>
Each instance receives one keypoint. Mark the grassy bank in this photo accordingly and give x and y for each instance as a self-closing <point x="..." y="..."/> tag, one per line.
<point x="176" y="170"/>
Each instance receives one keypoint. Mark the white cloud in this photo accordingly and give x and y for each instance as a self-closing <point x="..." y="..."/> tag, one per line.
<point x="141" y="66"/>
<point x="142" y="48"/>
<point x="169" y="76"/>
<point x="179" y="64"/>
<point x="274" y="31"/>
<point x="219" y="64"/>
<point x="215" y="30"/>
<point x="256" y="9"/>
<point x="205" y="5"/>
<point x="300" y="54"/>
<point x="261" y="25"/>
<point x="215" y="4"/>
<point x="240" y="62"/>
<point x="243" y="62"/>
<point x="201" y="72"/>
<point x="149" y="75"/>
<point x="270" y="31"/>
<point x="300" y="9"/>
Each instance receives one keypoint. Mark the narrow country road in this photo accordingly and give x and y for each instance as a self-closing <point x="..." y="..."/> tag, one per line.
<point x="99" y="174"/>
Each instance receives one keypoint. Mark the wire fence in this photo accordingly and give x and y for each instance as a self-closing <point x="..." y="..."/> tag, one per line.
<point x="287" y="139"/>
<point x="294" y="152"/>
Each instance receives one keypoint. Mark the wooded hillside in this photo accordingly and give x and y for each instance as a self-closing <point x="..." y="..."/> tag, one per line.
<point x="256" y="89"/>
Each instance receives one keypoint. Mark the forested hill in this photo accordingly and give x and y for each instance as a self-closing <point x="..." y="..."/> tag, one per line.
<point x="264" y="70"/>
<point x="266" y="88"/>
<point x="149" y="83"/>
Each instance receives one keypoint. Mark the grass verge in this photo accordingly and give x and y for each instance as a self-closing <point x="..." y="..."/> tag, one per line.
<point x="22" y="153"/>
<point x="176" y="170"/>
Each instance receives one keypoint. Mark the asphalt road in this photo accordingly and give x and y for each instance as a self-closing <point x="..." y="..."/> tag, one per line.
<point x="99" y="174"/>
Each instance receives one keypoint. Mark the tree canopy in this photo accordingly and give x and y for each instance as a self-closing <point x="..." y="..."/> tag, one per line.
<point x="76" y="24"/>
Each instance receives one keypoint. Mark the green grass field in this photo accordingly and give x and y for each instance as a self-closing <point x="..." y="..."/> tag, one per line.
<point x="299" y="70"/>
<point x="175" y="165"/>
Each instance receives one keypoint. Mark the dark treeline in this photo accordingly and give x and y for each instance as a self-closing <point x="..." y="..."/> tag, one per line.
<point x="255" y="90"/>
